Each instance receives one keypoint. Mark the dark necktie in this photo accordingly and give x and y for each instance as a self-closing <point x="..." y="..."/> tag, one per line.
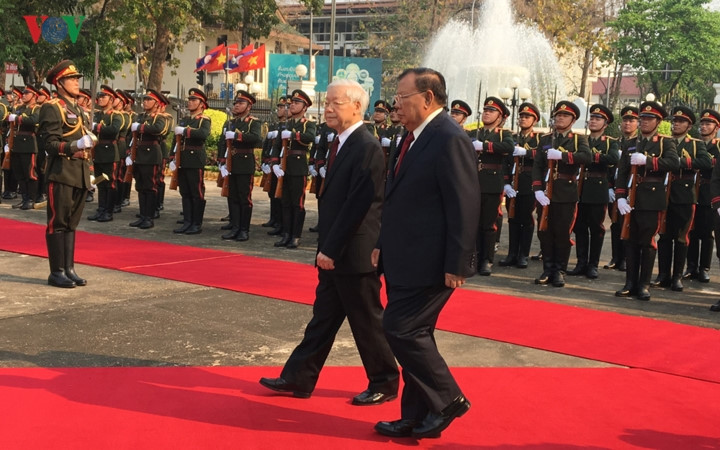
<point x="333" y="152"/>
<point x="406" y="145"/>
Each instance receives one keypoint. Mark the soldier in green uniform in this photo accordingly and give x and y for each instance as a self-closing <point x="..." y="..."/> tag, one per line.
<point x="25" y="147"/>
<point x="673" y="242"/>
<point x="569" y="151"/>
<point x="193" y="130"/>
<point x="41" y="198"/>
<point x="594" y="193"/>
<point x="282" y="116"/>
<point x="245" y="133"/>
<point x="300" y="134"/>
<point x="63" y="134"/>
<point x="10" y="180"/>
<point x="655" y="157"/>
<point x="119" y="109"/>
<point x="492" y="145"/>
<point x="4" y="112"/>
<point x="165" y="148"/>
<point x="459" y="111"/>
<point x="378" y="127"/>
<point x="150" y="127"/>
<point x="521" y="223"/>
<point x="130" y="118"/>
<point x="700" y="248"/>
<point x="395" y="132"/>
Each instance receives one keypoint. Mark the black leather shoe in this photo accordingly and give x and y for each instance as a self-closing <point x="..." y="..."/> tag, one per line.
<point x="507" y="261"/>
<point x="283" y="242"/>
<point x="105" y="217"/>
<point x="137" y="222"/>
<point x="626" y="291"/>
<point x="592" y="272"/>
<point x="232" y="234"/>
<point x="544" y="278"/>
<point x="95" y="216"/>
<point x="18" y="205"/>
<point x="485" y="268"/>
<point x="703" y="276"/>
<point x="396" y="428"/>
<point x="433" y="424"/>
<point x="522" y="262"/>
<point x="125" y="202"/>
<point x="676" y="284"/>
<point x="156" y="214"/>
<point x="294" y="243"/>
<point x="147" y="223"/>
<point x="227" y="226"/>
<point x="715" y="307"/>
<point x="662" y="280"/>
<point x="690" y="274"/>
<point x="182" y="229"/>
<point x="194" y="229"/>
<point x="242" y="236"/>
<point x="313" y="229"/>
<point x="268" y="224"/>
<point x="369" y="398"/>
<point x="559" y="279"/>
<point x="28" y="205"/>
<point x="643" y="293"/>
<point x="117" y="209"/>
<point x="621" y="266"/>
<point x="280" y="385"/>
<point x="611" y="265"/>
<point x="580" y="269"/>
<point x="537" y="257"/>
<point x="59" y="279"/>
<point x="275" y="231"/>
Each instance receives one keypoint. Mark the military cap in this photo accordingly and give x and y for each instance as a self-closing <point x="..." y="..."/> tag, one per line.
<point x="44" y="91"/>
<point x="529" y="108"/>
<point x="155" y="95"/>
<point x="164" y="99"/>
<point x="199" y="94"/>
<point x="245" y="96"/>
<point x="567" y="107"/>
<point x="496" y="104"/>
<point x="17" y="90"/>
<point x="282" y="101"/>
<point x="630" y="111"/>
<point x="86" y="93"/>
<point x="382" y="106"/>
<point x="710" y="115"/>
<point x="459" y="106"/>
<point x="106" y="90"/>
<point x="602" y="111"/>
<point x="63" y="69"/>
<point x="299" y="95"/>
<point x="684" y="113"/>
<point x="31" y="90"/>
<point x="652" y="109"/>
<point x="129" y="97"/>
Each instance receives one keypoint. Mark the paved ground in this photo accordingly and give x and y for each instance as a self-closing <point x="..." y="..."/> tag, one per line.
<point x="122" y="319"/>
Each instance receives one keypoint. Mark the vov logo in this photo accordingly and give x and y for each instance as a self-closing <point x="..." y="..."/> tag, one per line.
<point x="54" y="30"/>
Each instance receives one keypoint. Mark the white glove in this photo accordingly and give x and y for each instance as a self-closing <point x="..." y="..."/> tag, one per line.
<point x="509" y="191"/>
<point x="477" y="145"/>
<point x="179" y="130"/>
<point x="519" y="151"/>
<point x="317" y="139"/>
<point x="542" y="198"/>
<point x="277" y="170"/>
<point x="6" y="148"/>
<point x="623" y="206"/>
<point x="638" y="159"/>
<point x="398" y="139"/>
<point x="230" y="135"/>
<point x="718" y="210"/>
<point x="12" y="117"/>
<point x="385" y="142"/>
<point x="173" y="166"/>
<point x="312" y="170"/>
<point x="272" y="134"/>
<point x="286" y="134"/>
<point x="265" y="168"/>
<point x="554" y="153"/>
<point x="331" y="136"/>
<point x="322" y="171"/>
<point x="94" y="124"/>
<point x="128" y="161"/>
<point x="84" y="142"/>
<point x="223" y="171"/>
<point x="134" y="126"/>
<point x="611" y="194"/>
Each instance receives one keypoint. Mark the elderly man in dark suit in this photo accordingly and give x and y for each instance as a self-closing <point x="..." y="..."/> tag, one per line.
<point x="426" y="249"/>
<point x="349" y="206"/>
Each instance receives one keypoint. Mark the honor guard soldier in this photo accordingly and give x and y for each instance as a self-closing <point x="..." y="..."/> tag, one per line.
<point x="673" y="242"/>
<point x="84" y="101"/>
<point x="520" y="201"/>
<point x="150" y="128"/>
<point x="715" y="202"/>
<point x="130" y="117"/>
<point x="700" y="248"/>
<point x="10" y="180"/>
<point x="41" y="197"/>
<point x="25" y="148"/>
<point x="189" y="161"/>
<point x="643" y="196"/>
<point x="594" y="192"/>
<point x="63" y="134"/>
<point x="274" y="128"/>
<point x="492" y="145"/>
<point x="566" y="151"/>
<point x="300" y="135"/>
<point x="395" y="132"/>
<point x="460" y="111"/>
<point x="119" y="109"/>
<point x="107" y="126"/>
<point x="244" y="132"/>
<point x="165" y="148"/>
<point x="379" y="128"/>
<point x="4" y="113"/>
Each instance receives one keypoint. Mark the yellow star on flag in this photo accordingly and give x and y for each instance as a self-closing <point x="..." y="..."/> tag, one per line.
<point x="252" y="60"/>
<point x="221" y="58"/>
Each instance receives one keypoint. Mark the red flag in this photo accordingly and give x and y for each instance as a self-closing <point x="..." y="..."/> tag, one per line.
<point x="217" y="60"/>
<point x="256" y="60"/>
<point x="235" y="59"/>
<point x="200" y="63"/>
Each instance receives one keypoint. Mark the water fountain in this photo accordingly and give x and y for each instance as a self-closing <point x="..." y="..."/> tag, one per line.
<point x="494" y="52"/>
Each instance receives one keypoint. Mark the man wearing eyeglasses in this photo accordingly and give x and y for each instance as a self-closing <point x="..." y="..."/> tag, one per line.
<point x="426" y="249"/>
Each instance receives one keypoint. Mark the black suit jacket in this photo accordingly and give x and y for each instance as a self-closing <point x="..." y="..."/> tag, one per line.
<point x="349" y="206"/>
<point x="432" y="208"/>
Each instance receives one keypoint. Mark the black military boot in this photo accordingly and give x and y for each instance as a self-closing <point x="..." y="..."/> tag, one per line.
<point x="56" y="257"/>
<point x="582" y="243"/>
<point x="596" y="244"/>
<point x="647" y="261"/>
<point x="678" y="265"/>
<point x="70" y="259"/>
<point x="631" y="274"/>
<point x="693" y="254"/>
<point x="547" y="276"/>
<point x="187" y="216"/>
<point x="294" y="243"/>
<point x="197" y="210"/>
<point x="513" y="245"/>
<point x="706" y="253"/>
<point x="244" y="233"/>
<point x="284" y="241"/>
<point x="664" y="253"/>
<point x="526" y="237"/>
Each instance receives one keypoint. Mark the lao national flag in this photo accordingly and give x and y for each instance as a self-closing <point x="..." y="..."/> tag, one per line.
<point x="215" y="60"/>
<point x="200" y="63"/>
<point x="256" y="60"/>
<point x="235" y="58"/>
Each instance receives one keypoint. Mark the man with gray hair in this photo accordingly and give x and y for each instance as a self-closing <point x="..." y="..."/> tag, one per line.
<point x="349" y="207"/>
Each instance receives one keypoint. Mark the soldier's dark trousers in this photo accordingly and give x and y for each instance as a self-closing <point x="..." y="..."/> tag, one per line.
<point x="293" y="205"/>
<point x="24" y="167"/>
<point x="521" y="227"/>
<point x="589" y="233"/>
<point x="487" y="228"/>
<point x="616" y="244"/>
<point x="677" y="228"/>
<point x="275" y="203"/>
<point x="191" y="184"/>
<point x="555" y="242"/>
<point x="65" y="207"/>
<point x="146" y="186"/>
<point x="700" y="247"/>
<point x="640" y="248"/>
<point x="240" y="198"/>
<point x="10" y="183"/>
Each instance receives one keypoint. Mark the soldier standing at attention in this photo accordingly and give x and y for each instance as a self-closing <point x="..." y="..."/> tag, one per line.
<point x="41" y="197"/>
<point x="193" y="130"/>
<point x="245" y="133"/>
<point x="130" y="117"/>
<point x="300" y="134"/>
<point x="654" y="157"/>
<point x="569" y="151"/>
<point x="522" y="225"/>
<point x="275" y="221"/>
<point x="672" y="245"/>
<point x="459" y="110"/>
<point x="63" y="135"/>
<point x="594" y="194"/>
<point x="25" y="147"/>
<point x="492" y="145"/>
<point x="395" y="132"/>
<point x="4" y="112"/>
<point x="107" y="126"/>
<point x="10" y="180"/>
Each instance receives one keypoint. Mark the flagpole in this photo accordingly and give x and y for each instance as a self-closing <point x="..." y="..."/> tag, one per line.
<point x="331" y="62"/>
<point x="227" y="77"/>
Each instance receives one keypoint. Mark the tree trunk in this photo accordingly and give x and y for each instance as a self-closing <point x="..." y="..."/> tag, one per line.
<point x="158" y="56"/>
<point x="587" y="62"/>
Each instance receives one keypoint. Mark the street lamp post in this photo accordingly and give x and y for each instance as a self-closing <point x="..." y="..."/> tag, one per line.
<point x="511" y="96"/>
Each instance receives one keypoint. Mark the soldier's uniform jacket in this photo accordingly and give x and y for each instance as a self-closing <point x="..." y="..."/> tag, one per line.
<point x="26" y="126"/>
<point x="4" y="112"/>
<point x="693" y="157"/>
<point x="192" y="141"/>
<point x="576" y="151"/>
<point x="131" y="118"/>
<point x="149" y="134"/>
<point x="167" y="132"/>
<point x="627" y="144"/>
<point x="268" y="143"/>
<point x="661" y="159"/>
<point x="107" y="128"/>
<point x="379" y="131"/>
<point x="61" y="123"/>
<point x="320" y="150"/>
<point x="529" y="142"/>
<point x="303" y="136"/>
<point x="595" y="183"/>
<point x="123" y="143"/>
<point x="249" y="136"/>
<point x="497" y="145"/>
<point x="705" y="175"/>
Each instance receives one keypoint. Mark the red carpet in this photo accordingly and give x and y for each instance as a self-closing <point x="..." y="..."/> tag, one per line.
<point x="218" y="408"/>
<point x="604" y="336"/>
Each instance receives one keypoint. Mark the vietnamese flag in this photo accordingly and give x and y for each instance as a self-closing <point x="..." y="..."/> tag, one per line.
<point x="256" y="60"/>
